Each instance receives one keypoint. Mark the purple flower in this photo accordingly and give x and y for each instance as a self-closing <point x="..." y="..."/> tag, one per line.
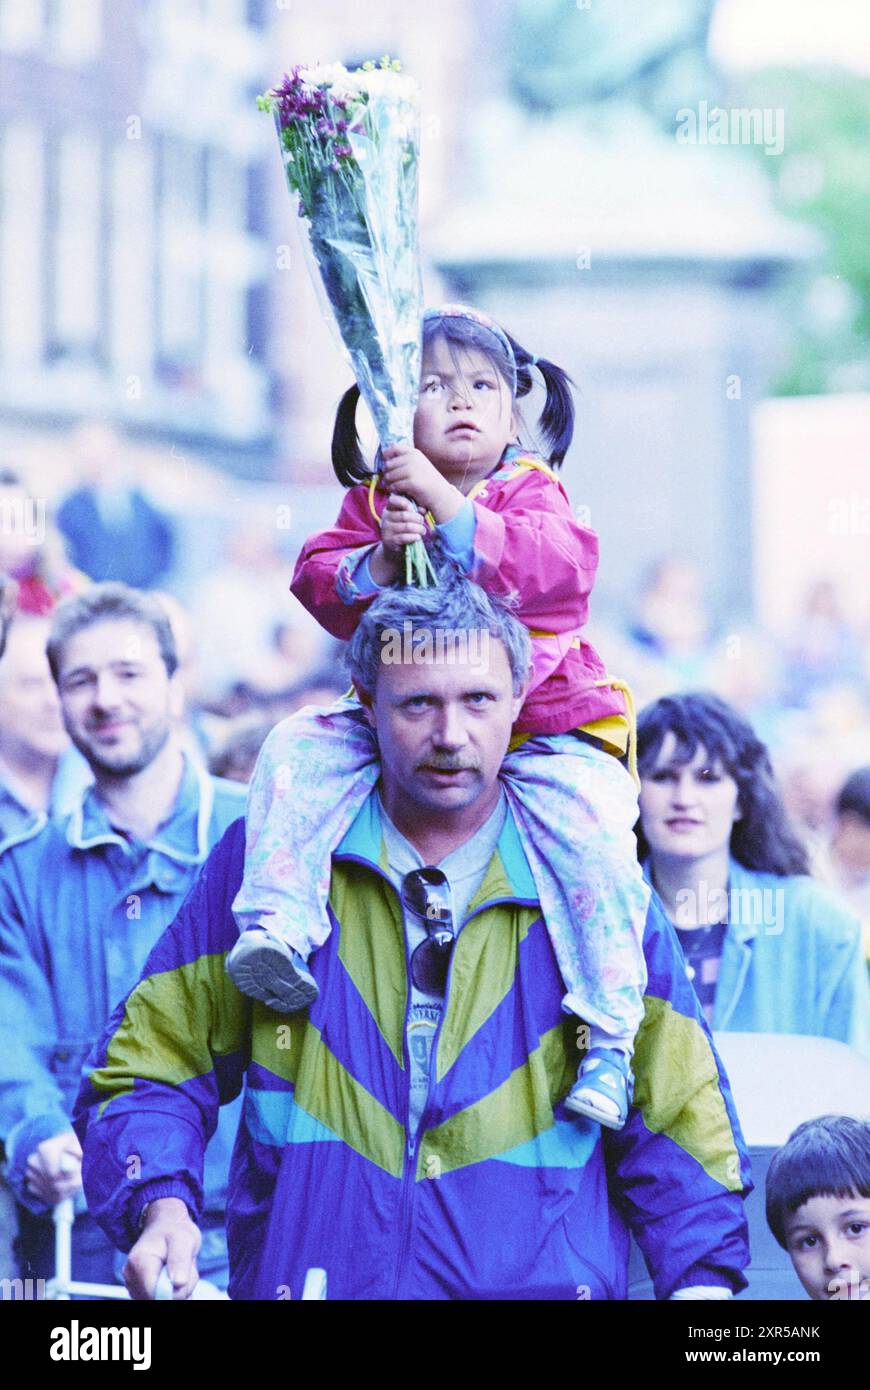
<point x="287" y="93"/>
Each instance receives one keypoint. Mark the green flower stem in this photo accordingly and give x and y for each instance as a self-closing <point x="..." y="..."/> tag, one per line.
<point x="418" y="567"/>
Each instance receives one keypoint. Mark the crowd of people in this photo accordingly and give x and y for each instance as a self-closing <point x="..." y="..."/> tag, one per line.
<point x="251" y="654"/>
<point x="127" y="741"/>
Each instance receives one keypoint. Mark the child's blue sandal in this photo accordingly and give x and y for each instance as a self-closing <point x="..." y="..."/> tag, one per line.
<point x="604" y="1087"/>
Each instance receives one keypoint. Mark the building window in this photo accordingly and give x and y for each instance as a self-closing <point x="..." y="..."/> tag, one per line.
<point x="227" y="258"/>
<point x="131" y="272"/>
<point x="257" y="218"/>
<point x="22" y="246"/>
<point x="257" y="321"/>
<point x="76" y="320"/>
<point x="226" y="190"/>
<point x="232" y="12"/>
<point x="22" y="25"/>
<point x="180" y="255"/>
<point x="75" y="30"/>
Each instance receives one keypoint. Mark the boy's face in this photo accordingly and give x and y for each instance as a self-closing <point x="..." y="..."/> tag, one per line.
<point x="828" y="1239"/>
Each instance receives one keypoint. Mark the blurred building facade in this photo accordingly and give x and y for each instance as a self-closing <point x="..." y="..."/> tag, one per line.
<point x="133" y="220"/>
<point x="152" y="267"/>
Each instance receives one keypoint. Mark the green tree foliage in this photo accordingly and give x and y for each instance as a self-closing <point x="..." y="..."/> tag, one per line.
<point x="823" y="179"/>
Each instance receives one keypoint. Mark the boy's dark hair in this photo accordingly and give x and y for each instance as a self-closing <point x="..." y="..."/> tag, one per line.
<point x="556" y="424"/>
<point x="825" y="1157"/>
<point x="854" y="797"/>
<point x="762" y="838"/>
<point x="104" y="603"/>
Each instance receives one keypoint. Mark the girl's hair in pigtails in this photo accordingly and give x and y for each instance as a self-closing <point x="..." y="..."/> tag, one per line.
<point x="556" y="424"/>
<point x="348" y="459"/>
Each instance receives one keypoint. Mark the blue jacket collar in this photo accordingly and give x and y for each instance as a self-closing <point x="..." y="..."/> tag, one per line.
<point x="364" y="842"/>
<point x="742" y="927"/>
<point x="183" y="837"/>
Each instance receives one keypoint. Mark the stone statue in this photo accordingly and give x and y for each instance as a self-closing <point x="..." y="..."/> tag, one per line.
<point x="578" y="53"/>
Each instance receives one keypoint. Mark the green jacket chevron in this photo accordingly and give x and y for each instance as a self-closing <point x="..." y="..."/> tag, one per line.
<point x="501" y="1194"/>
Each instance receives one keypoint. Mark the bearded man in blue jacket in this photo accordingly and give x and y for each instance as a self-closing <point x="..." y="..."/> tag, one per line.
<point x="408" y="1133"/>
<point x="85" y="898"/>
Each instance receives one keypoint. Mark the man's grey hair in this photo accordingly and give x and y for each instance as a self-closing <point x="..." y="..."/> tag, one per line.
<point x="108" y="602"/>
<point x="454" y="607"/>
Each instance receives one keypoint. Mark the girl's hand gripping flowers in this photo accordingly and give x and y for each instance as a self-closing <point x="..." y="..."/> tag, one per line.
<point x="401" y="524"/>
<point x="407" y="470"/>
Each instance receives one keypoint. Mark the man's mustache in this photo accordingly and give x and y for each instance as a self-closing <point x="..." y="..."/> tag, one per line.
<point x="444" y="763"/>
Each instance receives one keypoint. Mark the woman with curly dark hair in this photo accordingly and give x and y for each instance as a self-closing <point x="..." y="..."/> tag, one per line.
<point x="768" y="949"/>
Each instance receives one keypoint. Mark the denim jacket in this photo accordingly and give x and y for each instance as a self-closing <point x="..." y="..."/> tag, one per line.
<point x="791" y="961"/>
<point x="81" y="908"/>
<point x="16" y="818"/>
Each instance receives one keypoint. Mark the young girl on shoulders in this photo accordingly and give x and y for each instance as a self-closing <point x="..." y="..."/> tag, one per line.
<point x="503" y="519"/>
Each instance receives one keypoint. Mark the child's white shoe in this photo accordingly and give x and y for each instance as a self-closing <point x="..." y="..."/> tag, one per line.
<point x="263" y="966"/>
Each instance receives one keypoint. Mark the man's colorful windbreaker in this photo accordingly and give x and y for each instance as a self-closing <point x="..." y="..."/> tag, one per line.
<point x="502" y="1194"/>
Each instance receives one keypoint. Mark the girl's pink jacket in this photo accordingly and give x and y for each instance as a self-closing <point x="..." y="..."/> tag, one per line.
<point x="528" y="544"/>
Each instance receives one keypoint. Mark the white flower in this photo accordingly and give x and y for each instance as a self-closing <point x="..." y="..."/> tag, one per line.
<point x="381" y="82"/>
<point x="323" y="74"/>
<point x="378" y="83"/>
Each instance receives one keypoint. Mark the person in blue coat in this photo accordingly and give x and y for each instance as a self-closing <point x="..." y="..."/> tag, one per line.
<point x="84" y="899"/>
<point x="111" y="528"/>
<point x="768" y="949"/>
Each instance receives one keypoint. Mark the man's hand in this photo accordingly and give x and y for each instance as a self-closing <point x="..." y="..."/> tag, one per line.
<point x="170" y="1238"/>
<point x="401" y="524"/>
<point x="407" y="470"/>
<point x="54" y="1169"/>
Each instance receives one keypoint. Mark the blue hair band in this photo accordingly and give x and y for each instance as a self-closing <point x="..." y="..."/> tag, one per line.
<point x="465" y="311"/>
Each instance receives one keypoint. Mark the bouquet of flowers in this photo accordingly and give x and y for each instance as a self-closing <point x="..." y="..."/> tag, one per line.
<point x="350" y="145"/>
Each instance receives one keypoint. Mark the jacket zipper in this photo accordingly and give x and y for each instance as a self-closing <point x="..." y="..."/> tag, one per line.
<point x="406" y="1204"/>
<point x="405" y="1216"/>
<point x="410" y="1164"/>
<point x="411" y="1148"/>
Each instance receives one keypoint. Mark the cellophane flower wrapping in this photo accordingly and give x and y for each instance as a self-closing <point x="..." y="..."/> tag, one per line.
<point x="350" y="142"/>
